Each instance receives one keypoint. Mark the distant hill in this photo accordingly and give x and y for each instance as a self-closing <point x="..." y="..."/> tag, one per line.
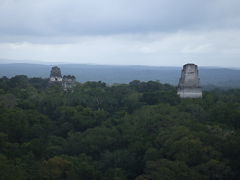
<point x="210" y="77"/>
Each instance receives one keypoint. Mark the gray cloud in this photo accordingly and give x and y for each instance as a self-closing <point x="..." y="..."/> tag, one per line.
<point x="149" y="32"/>
<point x="216" y="48"/>
<point x="71" y="17"/>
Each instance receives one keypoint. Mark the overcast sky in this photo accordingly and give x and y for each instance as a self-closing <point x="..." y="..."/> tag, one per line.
<point x="126" y="32"/>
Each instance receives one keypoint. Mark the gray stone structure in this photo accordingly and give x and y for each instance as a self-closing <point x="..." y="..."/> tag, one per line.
<point x="55" y="75"/>
<point x="68" y="82"/>
<point x="189" y="83"/>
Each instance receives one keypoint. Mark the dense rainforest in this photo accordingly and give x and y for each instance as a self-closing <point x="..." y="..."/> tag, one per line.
<point x="140" y="130"/>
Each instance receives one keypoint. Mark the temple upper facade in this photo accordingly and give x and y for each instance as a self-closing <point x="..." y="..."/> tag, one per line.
<point x="189" y="83"/>
<point x="67" y="81"/>
<point x="55" y="75"/>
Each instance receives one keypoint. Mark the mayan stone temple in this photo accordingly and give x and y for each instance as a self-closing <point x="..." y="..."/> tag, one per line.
<point x="55" y="75"/>
<point x="67" y="82"/>
<point x="189" y="83"/>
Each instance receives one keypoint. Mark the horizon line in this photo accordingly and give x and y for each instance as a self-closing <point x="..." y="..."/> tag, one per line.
<point x="131" y="65"/>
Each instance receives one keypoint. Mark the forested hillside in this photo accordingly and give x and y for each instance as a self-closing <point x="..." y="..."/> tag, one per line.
<point x="140" y="130"/>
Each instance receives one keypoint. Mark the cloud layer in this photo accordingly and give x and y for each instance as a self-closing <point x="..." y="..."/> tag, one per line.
<point x="150" y="32"/>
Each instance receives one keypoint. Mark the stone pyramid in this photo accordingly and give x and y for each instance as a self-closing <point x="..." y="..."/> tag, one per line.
<point x="189" y="83"/>
<point x="55" y="75"/>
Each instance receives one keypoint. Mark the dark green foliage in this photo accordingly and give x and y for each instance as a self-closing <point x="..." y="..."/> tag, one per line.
<point x="140" y="130"/>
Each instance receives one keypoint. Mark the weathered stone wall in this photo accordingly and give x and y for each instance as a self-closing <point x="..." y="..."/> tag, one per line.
<point x="189" y="83"/>
<point x="68" y="82"/>
<point x="55" y="75"/>
<point x="190" y="93"/>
